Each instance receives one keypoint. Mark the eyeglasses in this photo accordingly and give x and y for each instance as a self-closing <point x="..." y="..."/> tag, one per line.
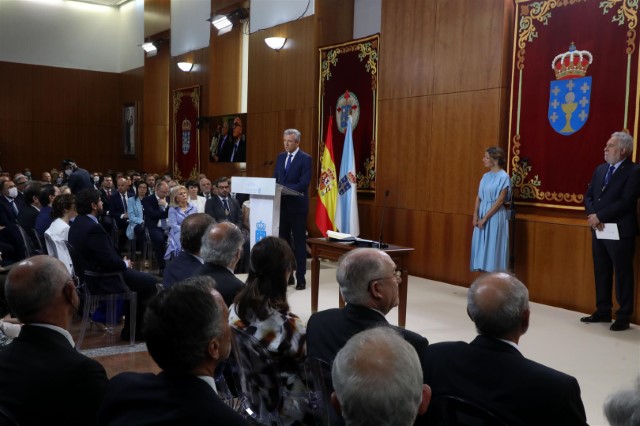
<point x="76" y="281"/>
<point x="397" y="275"/>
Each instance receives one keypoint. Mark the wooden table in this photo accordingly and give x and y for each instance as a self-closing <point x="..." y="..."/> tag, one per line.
<point x="321" y="248"/>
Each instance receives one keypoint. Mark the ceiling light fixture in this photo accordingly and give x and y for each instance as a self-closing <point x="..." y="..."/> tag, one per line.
<point x="224" y="22"/>
<point x="276" y="43"/>
<point x="150" y="49"/>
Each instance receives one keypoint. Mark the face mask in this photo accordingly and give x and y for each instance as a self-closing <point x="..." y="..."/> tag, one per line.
<point x="68" y="172"/>
<point x="58" y="181"/>
<point x="96" y="179"/>
<point x="28" y="174"/>
<point x="13" y="192"/>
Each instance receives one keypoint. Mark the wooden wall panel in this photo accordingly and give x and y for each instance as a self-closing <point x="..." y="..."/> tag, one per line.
<point x="225" y="69"/>
<point x="154" y="155"/>
<point x="404" y="132"/>
<point x="407" y="59"/>
<point x="16" y="96"/>
<point x="464" y="125"/>
<point x="468" y="45"/>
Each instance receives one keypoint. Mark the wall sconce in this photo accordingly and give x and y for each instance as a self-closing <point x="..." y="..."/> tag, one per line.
<point x="185" y="66"/>
<point x="150" y="49"/>
<point x="276" y="43"/>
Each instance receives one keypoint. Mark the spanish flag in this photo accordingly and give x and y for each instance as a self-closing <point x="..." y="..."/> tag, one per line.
<point x="327" y="186"/>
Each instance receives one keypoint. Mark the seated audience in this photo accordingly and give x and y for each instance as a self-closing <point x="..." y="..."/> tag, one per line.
<point x="179" y="210"/>
<point x="378" y="380"/>
<point x="44" y="219"/>
<point x="63" y="210"/>
<point x="156" y="215"/>
<point x="94" y="245"/>
<point x="492" y="372"/>
<point x="188" y="351"/>
<point x="135" y="229"/>
<point x="188" y="260"/>
<point x="369" y="285"/>
<point x="31" y="208"/>
<point x="10" y="208"/>
<point x="42" y="377"/>
<point x="622" y="408"/>
<point x="262" y="310"/>
<point x="221" y="250"/>
<point x="195" y="199"/>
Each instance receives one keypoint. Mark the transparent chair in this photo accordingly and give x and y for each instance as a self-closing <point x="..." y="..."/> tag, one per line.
<point x="92" y="298"/>
<point x="321" y="387"/>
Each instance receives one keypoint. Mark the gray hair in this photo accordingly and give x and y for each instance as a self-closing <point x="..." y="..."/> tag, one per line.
<point x="622" y="408"/>
<point x="220" y="243"/>
<point x="377" y="378"/>
<point x="356" y="269"/>
<point x="46" y="280"/>
<point x="294" y="132"/>
<point x="625" y="141"/>
<point x="504" y="314"/>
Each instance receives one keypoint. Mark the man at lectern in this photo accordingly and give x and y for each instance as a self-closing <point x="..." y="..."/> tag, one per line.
<point x="293" y="170"/>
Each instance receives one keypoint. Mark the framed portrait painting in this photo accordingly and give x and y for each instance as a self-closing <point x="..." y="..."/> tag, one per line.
<point x="130" y="129"/>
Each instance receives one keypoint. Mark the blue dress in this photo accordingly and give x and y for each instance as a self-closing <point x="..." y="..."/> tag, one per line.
<point x="176" y="216"/>
<point x="489" y="245"/>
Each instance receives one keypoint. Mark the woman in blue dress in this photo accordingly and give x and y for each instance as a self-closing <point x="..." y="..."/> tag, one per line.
<point x="490" y="242"/>
<point x="180" y="208"/>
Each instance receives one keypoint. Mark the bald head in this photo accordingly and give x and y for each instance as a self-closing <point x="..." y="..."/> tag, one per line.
<point x="498" y="304"/>
<point x="385" y="364"/>
<point x="39" y="289"/>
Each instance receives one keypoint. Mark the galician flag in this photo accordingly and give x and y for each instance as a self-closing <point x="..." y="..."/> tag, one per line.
<point x="347" y="220"/>
<point x="327" y="186"/>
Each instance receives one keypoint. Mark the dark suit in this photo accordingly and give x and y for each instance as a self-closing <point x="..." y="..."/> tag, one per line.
<point x="615" y="203"/>
<point x="78" y="180"/>
<point x="495" y="375"/>
<point x="10" y="234"/>
<point x="227" y="284"/>
<point x="241" y="151"/>
<point x="225" y="146"/>
<point x="214" y="208"/>
<point x="91" y="241"/>
<point x="163" y="399"/>
<point x="153" y="214"/>
<point x="117" y="209"/>
<point x="328" y="331"/>
<point x="293" y="209"/>
<point x="27" y="217"/>
<point x="45" y="380"/>
<point x="180" y="267"/>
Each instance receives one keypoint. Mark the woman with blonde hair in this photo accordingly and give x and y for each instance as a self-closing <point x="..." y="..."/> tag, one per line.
<point x="180" y="208"/>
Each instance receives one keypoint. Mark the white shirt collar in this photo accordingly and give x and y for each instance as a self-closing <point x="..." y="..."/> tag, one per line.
<point x="293" y="154"/>
<point x="60" y="330"/>
<point x="209" y="380"/>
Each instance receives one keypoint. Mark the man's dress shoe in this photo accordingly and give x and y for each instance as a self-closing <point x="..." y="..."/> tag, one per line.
<point x="619" y="325"/>
<point x="302" y="284"/>
<point x="596" y="318"/>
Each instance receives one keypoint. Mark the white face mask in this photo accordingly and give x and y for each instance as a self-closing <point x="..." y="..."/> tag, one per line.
<point x="68" y="172"/>
<point x="13" y="192"/>
<point x="96" y="179"/>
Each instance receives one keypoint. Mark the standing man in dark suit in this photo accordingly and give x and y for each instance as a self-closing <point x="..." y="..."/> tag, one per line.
<point x="492" y="372"/>
<point x="188" y="260"/>
<point x="369" y="285"/>
<point x="293" y="170"/>
<point x="222" y="207"/>
<point x="188" y="351"/>
<point x="91" y="241"/>
<point x="77" y="178"/>
<point x="612" y="198"/>
<point x="221" y="250"/>
<point x="156" y="214"/>
<point x="42" y="376"/>
<point x="224" y="143"/>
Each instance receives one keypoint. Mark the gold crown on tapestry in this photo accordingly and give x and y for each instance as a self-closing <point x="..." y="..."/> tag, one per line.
<point x="571" y="64"/>
<point x="186" y="124"/>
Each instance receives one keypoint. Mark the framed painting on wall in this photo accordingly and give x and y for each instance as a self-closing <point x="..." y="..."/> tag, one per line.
<point x="129" y="129"/>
